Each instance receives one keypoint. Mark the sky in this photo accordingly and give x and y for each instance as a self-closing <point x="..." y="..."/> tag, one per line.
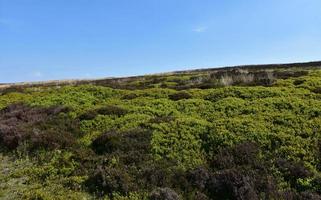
<point x="67" y="39"/>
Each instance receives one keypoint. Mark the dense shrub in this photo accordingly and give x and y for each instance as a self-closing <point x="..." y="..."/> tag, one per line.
<point x="292" y="195"/>
<point x="200" y="196"/>
<point x="163" y="194"/>
<point x="298" y="82"/>
<point x="179" y="140"/>
<point x="242" y="141"/>
<point x="50" y="140"/>
<point x="106" y="110"/>
<point x="179" y="95"/>
<point x="231" y="184"/>
<point x="130" y="96"/>
<point x="106" y="181"/>
<point x="111" y="110"/>
<point x="290" y="73"/>
<point x="107" y="143"/>
<point x="11" y="89"/>
<point x="10" y="137"/>
<point x="240" y="173"/>
<point x="317" y="90"/>
<point x="19" y="123"/>
<point x="162" y="119"/>
<point x="316" y="184"/>
<point x="293" y="171"/>
<point x="241" y="154"/>
<point x="112" y="141"/>
<point x="199" y="177"/>
<point x="157" y="174"/>
<point x="89" y="115"/>
<point x="309" y="196"/>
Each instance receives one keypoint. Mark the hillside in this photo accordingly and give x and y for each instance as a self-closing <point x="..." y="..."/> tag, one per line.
<point x="205" y="77"/>
<point x="244" y="132"/>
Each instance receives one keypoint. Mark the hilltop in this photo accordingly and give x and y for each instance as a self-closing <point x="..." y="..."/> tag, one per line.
<point x="125" y="82"/>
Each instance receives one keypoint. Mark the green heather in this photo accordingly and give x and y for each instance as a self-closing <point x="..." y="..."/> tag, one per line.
<point x="197" y="135"/>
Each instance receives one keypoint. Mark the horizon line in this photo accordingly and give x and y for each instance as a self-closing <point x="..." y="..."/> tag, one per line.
<point x="282" y="64"/>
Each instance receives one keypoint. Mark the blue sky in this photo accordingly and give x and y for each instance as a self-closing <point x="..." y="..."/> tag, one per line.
<point x="61" y="39"/>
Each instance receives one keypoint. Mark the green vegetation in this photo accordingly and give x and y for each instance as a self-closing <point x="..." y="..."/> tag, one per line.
<point x="230" y="135"/>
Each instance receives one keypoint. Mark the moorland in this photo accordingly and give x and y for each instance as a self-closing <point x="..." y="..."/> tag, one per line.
<point x="246" y="132"/>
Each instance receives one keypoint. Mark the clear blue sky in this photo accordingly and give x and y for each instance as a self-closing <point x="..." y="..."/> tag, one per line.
<point x="60" y="39"/>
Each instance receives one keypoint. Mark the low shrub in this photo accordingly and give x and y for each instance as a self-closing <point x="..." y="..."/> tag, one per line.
<point x="111" y="110"/>
<point x="242" y="154"/>
<point x="90" y="115"/>
<point x="162" y="119"/>
<point x="179" y="95"/>
<point x="107" y="143"/>
<point x="120" y="144"/>
<point x="240" y="173"/>
<point x="293" y="195"/>
<point x="200" y="196"/>
<point x="163" y="194"/>
<point x="298" y="82"/>
<point x="50" y="140"/>
<point x="156" y="174"/>
<point x="179" y="140"/>
<point x="231" y="184"/>
<point x="134" y="140"/>
<point x="309" y="196"/>
<point x="199" y="177"/>
<point x="317" y="90"/>
<point x="130" y="96"/>
<point x="107" y="181"/>
<point x="292" y="171"/>
<point x="19" y="123"/>
<point x="106" y="110"/>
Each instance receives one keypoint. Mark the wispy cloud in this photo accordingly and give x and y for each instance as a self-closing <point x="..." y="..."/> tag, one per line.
<point x="200" y="29"/>
<point x="37" y="74"/>
<point x="88" y="75"/>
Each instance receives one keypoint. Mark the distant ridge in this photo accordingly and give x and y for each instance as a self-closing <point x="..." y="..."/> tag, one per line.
<point x="313" y="64"/>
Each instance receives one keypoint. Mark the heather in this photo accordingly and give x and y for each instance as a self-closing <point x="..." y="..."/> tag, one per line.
<point x="236" y="134"/>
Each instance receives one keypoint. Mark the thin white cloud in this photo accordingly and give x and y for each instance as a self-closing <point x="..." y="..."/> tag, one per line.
<point x="88" y="75"/>
<point x="37" y="74"/>
<point x="200" y="29"/>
